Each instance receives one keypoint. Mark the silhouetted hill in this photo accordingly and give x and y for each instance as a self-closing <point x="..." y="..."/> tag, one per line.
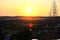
<point x="23" y="17"/>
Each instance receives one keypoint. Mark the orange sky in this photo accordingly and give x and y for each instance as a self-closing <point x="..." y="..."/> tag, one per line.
<point x="27" y="7"/>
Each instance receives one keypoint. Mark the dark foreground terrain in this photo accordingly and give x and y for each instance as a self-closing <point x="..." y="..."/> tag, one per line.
<point x="44" y="28"/>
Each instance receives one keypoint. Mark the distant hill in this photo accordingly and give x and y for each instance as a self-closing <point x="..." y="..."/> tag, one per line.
<point x="26" y="18"/>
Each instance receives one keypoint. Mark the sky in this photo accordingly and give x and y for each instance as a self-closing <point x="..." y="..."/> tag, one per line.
<point x="27" y="7"/>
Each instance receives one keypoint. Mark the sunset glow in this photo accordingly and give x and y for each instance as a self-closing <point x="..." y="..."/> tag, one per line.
<point x="27" y="7"/>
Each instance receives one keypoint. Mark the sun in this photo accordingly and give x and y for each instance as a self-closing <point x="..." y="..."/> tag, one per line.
<point x="28" y="9"/>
